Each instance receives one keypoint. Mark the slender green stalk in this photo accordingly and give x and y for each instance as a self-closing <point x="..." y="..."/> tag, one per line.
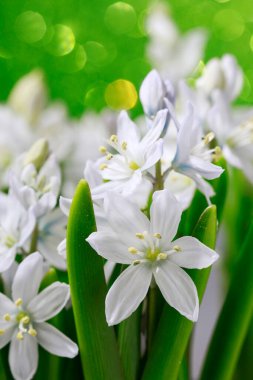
<point x="97" y="342"/>
<point x="174" y="330"/>
<point x="234" y="319"/>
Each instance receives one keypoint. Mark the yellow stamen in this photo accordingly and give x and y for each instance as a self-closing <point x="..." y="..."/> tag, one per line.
<point x="157" y="235"/>
<point x="177" y="248"/>
<point x="102" y="149"/>
<point x="124" y="145"/>
<point x="18" y="302"/>
<point x="2" y="331"/>
<point x="139" y="235"/>
<point x="25" y="320"/>
<point x="208" y="138"/>
<point x="133" y="165"/>
<point x="114" y="138"/>
<point x="32" y="332"/>
<point x="132" y="250"/>
<point x="20" y="336"/>
<point x="136" y="262"/>
<point x="102" y="166"/>
<point x="162" y="256"/>
<point x="109" y="156"/>
<point x="7" y="317"/>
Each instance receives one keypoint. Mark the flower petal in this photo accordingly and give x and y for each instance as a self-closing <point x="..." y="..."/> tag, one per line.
<point x="23" y="357"/>
<point x="54" y="341"/>
<point x="127" y="129"/>
<point x="108" y="245"/>
<point x="152" y="92"/>
<point x="156" y="129"/>
<point x="6" y="305"/>
<point x="153" y="154"/>
<point x="125" y="218"/>
<point x="127" y="292"/>
<point x="178" y="289"/>
<point x="165" y="215"/>
<point x="6" y="336"/>
<point x="194" y="254"/>
<point x="49" y="302"/>
<point x="23" y="287"/>
<point x="65" y="204"/>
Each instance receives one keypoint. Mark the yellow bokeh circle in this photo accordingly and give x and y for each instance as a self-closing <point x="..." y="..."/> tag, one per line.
<point x="121" y="94"/>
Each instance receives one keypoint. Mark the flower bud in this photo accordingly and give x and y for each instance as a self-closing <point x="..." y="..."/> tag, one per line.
<point x="37" y="154"/>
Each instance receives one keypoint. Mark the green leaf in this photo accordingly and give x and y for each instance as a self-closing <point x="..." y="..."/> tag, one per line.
<point x="129" y="344"/>
<point x="174" y="330"/>
<point x="234" y="319"/>
<point x="97" y="342"/>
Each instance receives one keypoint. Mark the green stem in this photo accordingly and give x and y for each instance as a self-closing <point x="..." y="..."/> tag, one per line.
<point x="35" y="234"/>
<point x="234" y="319"/>
<point x="159" y="185"/>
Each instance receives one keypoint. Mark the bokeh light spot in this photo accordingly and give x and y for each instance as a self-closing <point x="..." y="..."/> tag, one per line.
<point x="30" y="27"/>
<point x="222" y="1"/>
<point x="228" y="24"/>
<point x="121" y="94"/>
<point x="120" y="18"/>
<point x="62" y="41"/>
<point x="74" y="61"/>
<point x="96" y="52"/>
<point x="94" y="97"/>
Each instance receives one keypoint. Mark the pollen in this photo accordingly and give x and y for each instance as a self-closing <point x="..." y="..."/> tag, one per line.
<point x="7" y="317"/>
<point x="177" y="248"/>
<point x="136" y="262"/>
<point x="133" y="165"/>
<point x="114" y="138"/>
<point x="124" y="145"/>
<point x="102" y="149"/>
<point x="162" y="256"/>
<point x="139" y="235"/>
<point x="18" y="302"/>
<point x="20" y="335"/>
<point x="32" y="332"/>
<point x="109" y="156"/>
<point x="132" y="250"/>
<point x="25" y="320"/>
<point x="157" y="235"/>
<point x="102" y="166"/>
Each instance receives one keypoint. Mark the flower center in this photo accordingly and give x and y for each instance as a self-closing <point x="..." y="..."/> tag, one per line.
<point x="133" y="165"/>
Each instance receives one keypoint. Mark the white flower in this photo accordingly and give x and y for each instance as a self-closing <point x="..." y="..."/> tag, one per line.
<point x="221" y="74"/>
<point x="22" y="319"/>
<point x="135" y="155"/>
<point x="193" y="158"/>
<point x="147" y="246"/>
<point x="16" y="227"/>
<point x="51" y="231"/>
<point x="36" y="189"/>
<point x="15" y="137"/>
<point x="236" y="140"/>
<point x="175" y="56"/>
<point x="29" y="95"/>
<point x="153" y="91"/>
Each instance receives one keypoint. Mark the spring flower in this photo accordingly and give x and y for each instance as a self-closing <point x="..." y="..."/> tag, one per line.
<point x="23" y="319"/>
<point x="35" y="180"/>
<point x="193" y="157"/>
<point x="125" y="170"/>
<point x="153" y="91"/>
<point x="175" y="56"/>
<point x="147" y="246"/>
<point x="236" y="140"/>
<point x="223" y="75"/>
<point x="16" y="227"/>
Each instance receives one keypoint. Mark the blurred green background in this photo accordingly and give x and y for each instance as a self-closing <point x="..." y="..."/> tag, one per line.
<point x="82" y="46"/>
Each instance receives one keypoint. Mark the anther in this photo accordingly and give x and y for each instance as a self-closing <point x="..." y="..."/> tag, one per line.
<point x="18" y="302"/>
<point x="132" y="250"/>
<point x="7" y="317"/>
<point x="2" y="331"/>
<point x="136" y="262"/>
<point x="208" y="138"/>
<point x="157" y="235"/>
<point x="20" y="335"/>
<point x="162" y="256"/>
<point x="177" y="248"/>
<point x="114" y="138"/>
<point x="124" y="145"/>
<point x="109" y="156"/>
<point x="32" y="332"/>
<point x="139" y="235"/>
<point x="25" y="320"/>
<point x="102" y="166"/>
<point x="102" y="149"/>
